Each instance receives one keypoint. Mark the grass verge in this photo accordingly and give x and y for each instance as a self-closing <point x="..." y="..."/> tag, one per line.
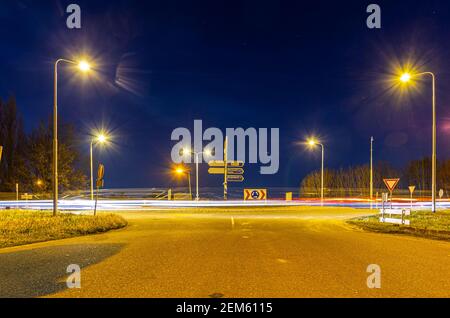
<point x="423" y="224"/>
<point x="25" y="227"/>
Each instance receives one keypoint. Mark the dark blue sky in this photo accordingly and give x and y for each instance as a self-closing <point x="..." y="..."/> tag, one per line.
<point x="304" y="67"/>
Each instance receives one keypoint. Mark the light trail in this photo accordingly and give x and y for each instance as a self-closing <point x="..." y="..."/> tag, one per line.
<point x="118" y="205"/>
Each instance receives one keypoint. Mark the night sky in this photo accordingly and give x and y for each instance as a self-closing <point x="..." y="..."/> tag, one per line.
<point x="309" y="67"/>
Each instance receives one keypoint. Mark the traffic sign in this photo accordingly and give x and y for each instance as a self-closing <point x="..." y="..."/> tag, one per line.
<point x="235" y="163"/>
<point x="441" y="193"/>
<point x="26" y="196"/>
<point x="221" y="163"/>
<point x="216" y="163"/>
<point x="235" y="178"/>
<point x="411" y="189"/>
<point x="100" y="175"/>
<point x="230" y="171"/>
<point x="255" y="194"/>
<point x="391" y="183"/>
<point x="235" y="171"/>
<point x="100" y="171"/>
<point x="216" y="170"/>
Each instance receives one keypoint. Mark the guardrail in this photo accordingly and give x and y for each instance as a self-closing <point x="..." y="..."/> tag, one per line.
<point x="402" y="212"/>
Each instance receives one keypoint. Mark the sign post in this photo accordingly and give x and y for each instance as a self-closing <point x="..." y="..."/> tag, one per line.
<point x="100" y="183"/>
<point x="411" y="191"/>
<point x="233" y="171"/>
<point x="225" y="179"/>
<point x="391" y="184"/>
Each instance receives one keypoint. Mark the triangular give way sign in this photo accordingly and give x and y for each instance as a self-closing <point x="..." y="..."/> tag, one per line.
<point x="391" y="183"/>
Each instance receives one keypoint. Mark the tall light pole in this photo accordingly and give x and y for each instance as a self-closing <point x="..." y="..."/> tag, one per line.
<point x="371" y="169"/>
<point x="312" y="142"/>
<point x="188" y="173"/>
<point x="84" y="67"/>
<point x="196" y="156"/>
<point x="406" y="77"/>
<point x="99" y="139"/>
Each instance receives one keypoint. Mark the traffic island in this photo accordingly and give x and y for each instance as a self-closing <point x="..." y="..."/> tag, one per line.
<point x="26" y="227"/>
<point x="422" y="224"/>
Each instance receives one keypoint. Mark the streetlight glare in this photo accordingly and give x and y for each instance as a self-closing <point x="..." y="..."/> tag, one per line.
<point x="312" y="142"/>
<point x="208" y="152"/>
<point x="101" y="138"/>
<point x="405" y="77"/>
<point x="179" y="171"/>
<point x="84" y="66"/>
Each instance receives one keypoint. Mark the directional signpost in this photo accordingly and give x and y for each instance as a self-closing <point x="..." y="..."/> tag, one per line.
<point x="235" y="178"/>
<point x="233" y="171"/>
<point x="216" y="170"/>
<point x="391" y="184"/>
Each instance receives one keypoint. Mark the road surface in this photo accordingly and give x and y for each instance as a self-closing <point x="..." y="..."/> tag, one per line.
<point x="271" y="252"/>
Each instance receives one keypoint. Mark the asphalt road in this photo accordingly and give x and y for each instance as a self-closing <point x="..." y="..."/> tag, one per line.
<point x="274" y="252"/>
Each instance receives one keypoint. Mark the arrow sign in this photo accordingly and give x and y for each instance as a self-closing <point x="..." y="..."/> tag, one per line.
<point x="235" y="171"/>
<point x="216" y="170"/>
<point x="391" y="183"/>
<point x="235" y="163"/>
<point x="235" y="178"/>
<point x="255" y="194"/>
<point x="216" y="163"/>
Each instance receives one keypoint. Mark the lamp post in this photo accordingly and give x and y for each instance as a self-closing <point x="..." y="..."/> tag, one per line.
<point x="100" y="139"/>
<point x="84" y="67"/>
<point x="188" y="173"/>
<point x="196" y="156"/>
<point x="312" y="142"/>
<point x="406" y="77"/>
<point x="371" y="170"/>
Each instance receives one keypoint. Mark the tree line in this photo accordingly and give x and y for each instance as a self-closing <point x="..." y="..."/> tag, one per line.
<point x="355" y="180"/>
<point x="27" y="157"/>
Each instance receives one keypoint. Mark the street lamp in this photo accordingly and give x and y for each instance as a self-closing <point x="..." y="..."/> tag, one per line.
<point x="196" y="154"/>
<point x="405" y="78"/>
<point x="39" y="183"/>
<point x="181" y="171"/>
<point x="101" y="138"/>
<point x="313" y="142"/>
<point x="371" y="170"/>
<point x="83" y="66"/>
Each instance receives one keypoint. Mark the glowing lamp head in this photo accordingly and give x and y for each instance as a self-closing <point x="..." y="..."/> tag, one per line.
<point x="179" y="171"/>
<point x="101" y="138"/>
<point x="405" y="77"/>
<point x="39" y="182"/>
<point x="185" y="151"/>
<point x="84" y="66"/>
<point x="311" y="142"/>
